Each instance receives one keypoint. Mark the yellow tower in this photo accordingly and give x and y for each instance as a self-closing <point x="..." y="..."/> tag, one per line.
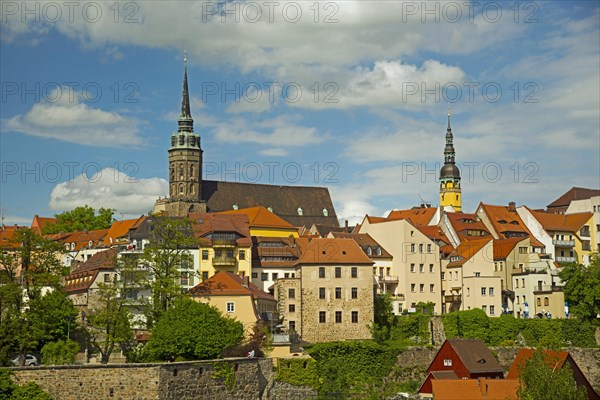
<point x="450" y="194"/>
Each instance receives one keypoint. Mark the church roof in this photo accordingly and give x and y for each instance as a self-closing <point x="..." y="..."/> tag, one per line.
<point x="283" y="200"/>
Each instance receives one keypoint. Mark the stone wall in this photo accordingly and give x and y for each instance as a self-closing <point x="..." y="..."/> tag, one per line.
<point x="285" y="391"/>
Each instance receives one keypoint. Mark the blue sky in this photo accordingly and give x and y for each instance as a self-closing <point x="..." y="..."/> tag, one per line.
<point x="349" y="95"/>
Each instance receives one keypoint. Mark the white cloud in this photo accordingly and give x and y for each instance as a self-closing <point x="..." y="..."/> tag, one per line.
<point x="63" y="116"/>
<point x="274" y="152"/>
<point x="109" y="188"/>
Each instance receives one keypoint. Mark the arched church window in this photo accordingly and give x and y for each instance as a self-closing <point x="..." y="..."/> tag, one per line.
<point x="173" y="140"/>
<point x="192" y="170"/>
<point x="181" y="188"/>
<point x="181" y="140"/>
<point x="191" y="188"/>
<point x="192" y="141"/>
<point x="181" y="171"/>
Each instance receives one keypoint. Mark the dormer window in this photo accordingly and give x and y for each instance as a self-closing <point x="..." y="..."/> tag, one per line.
<point x="72" y="246"/>
<point x="378" y="251"/>
<point x="235" y="206"/>
<point x="325" y="212"/>
<point x="90" y="244"/>
<point x="270" y="209"/>
<point x="369" y="251"/>
<point x="67" y="246"/>
<point x="300" y="211"/>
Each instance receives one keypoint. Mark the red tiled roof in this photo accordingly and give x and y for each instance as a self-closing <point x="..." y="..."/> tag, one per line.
<point x="555" y="359"/>
<point x="463" y="222"/>
<point x="562" y="222"/>
<point x="38" y="223"/>
<point x="228" y="284"/>
<point x="204" y="224"/>
<point x="575" y="193"/>
<point x="503" y="247"/>
<point x="417" y="216"/>
<point x="365" y="241"/>
<point x="475" y="389"/>
<point x="433" y="232"/>
<point x="119" y="229"/>
<point x="503" y="220"/>
<point x="260" y="217"/>
<point x="84" y="275"/>
<point x="82" y="238"/>
<point x="6" y="237"/>
<point x="334" y="251"/>
<point x="467" y="249"/>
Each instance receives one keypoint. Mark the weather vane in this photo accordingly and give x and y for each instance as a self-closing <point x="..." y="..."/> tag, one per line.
<point x="185" y="56"/>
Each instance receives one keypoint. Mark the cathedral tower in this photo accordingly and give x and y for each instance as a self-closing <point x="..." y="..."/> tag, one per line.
<point x="450" y="194"/>
<point x="185" y="164"/>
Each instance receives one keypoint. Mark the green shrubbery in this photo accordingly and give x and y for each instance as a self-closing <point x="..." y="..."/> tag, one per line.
<point x="60" y="352"/>
<point x="508" y="330"/>
<point x="11" y="391"/>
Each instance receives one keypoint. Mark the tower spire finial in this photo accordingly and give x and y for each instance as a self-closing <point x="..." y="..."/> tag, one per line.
<point x="186" y="123"/>
<point x="449" y="116"/>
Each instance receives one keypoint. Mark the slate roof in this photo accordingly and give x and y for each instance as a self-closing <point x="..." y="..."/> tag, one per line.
<point x="333" y="251"/>
<point x="475" y="355"/>
<point x="284" y="200"/>
<point x="575" y="193"/>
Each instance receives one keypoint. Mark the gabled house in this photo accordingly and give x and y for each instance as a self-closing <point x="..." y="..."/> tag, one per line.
<point x="459" y="227"/>
<point x="82" y="245"/>
<point x="264" y="222"/>
<point x="556" y="360"/>
<point x="418" y="216"/>
<point x="235" y="296"/>
<point x="461" y="359"/>
<point x="560" y="205"/>
<point x="38" y="223"/>
<point x="118" y="233"/>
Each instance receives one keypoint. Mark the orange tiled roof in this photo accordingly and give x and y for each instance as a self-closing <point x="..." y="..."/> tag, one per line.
<point x="119" y="229"/>
<point x="84" y="275"/>
<point x="503" y="247"/>
<point x="260" y="217"/>
<point x="38" y="223"/>
<point x="334" y="251"/>
<point x="6" y="236"/>
<point x="204" y="224"/>
<point x="475" y="389"/>
<point x="434" y="233"/>
<point x="468" y="249"/>
<point x="555" y="359"/>
<point x="365" y="241"/>
<point x="374" y="220"/>
<point x="228" y="284"/>
<point x="417" y="216"/>
<point x="562" y="222"/>
<point x="82" y="238"/>
<point x="505" y="221"/>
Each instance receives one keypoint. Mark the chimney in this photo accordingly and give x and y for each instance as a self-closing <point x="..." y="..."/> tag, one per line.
<point x="512" y="206"/>
<point x="346" y="224"/>
<point x="247" y="281"/>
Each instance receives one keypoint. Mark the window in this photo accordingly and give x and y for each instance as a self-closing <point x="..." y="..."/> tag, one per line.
<point x="204" y="275"/>
<point x="456" y="276"/>
<point x="275" y="275"/>
<point x="491" y="291"/>
<point x="264" y="276"/>
<point x="322" y="317"/>
<point x="338" y="272"/>
<point x="355" y="317"/>
<point x="255" y="275"/>
<point x="422" y="288"/>
<point x="477" y="274"/>
<point x="355" y="293"/>
<point x="412" y="267"/>
<point x="338" y="292"/>
<point x="443" y="275"/>
<point x="546" y="301"/>
<point x="450" y="275"/>
<point x="321" y="272"/>
<point x="242" y="254"/>
<point x="184" y="279"/>
<point x="412" y="287"/>
<point x="539" y="302"/>
<point x="516" y="283"/>
<point x="431" y="268"/>
<point x="287" y="275"/>
<point x="354" y="272"/>
<point x="522" y="250"/>
<point x="420" y="247"/>
<point x="468" y="292"/>
<point x="412" y="248"/>
<point x="292" y="308"/>
<point x="484" y="308"/>
<point x="431" y="288"/>
<point x="292" y="325"/>
<point x="483" y="291"/>
<point x="447" y="362"/>
<point x="321" y="292"/>
<point x="522" y="282"/>
<point x="429" y="248"/>
<point x="292" y="293"/>
<point x="492" y="310"/>
<point x="218" y="253"/>
<point x="421" y="268"/>
<point x="230" y="253"/>
<point x="338" y="317"/>
<point x="106" y="277"/>
<point x="230" y="306"/>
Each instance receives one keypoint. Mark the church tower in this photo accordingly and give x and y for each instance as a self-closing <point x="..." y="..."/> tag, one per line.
<point x="450" y="194"/>
<point x="185" y="164"/>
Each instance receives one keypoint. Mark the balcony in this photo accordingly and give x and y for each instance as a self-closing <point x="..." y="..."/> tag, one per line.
<point x="398" y="297"/>
<point x="453" y="298"/>
<point x="224" y="262"/>
<point x="563" y="243"/>
<point x="565" y="259"/>
<point x="585" y="231"/>
<point x="388" y="278"/>
<point x="547" y="288"/>
<point x="229" y="243"/>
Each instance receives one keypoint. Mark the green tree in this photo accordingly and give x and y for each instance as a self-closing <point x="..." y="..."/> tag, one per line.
<point x="582" y="288"/>
<point x="383" y="319"/>
<point x="193" y="331"/>
<point x="79" y="219"/>
<point x="540" y="379"/>
<point x="163" y="258"/>
<point x="60" y="352"/>
<point x="11" y="391"/>
<point x="108" y="321"/>
<point x="30" y="268"/>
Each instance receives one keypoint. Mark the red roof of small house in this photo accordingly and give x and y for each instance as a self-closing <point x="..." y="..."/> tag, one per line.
<point x="417" y="216"/>
<point x="119" y="229"/>
<point x="466" y="250"/>
<point x="38" y="223"/>
<point x="84" y="275"/>
<point x="260" y="217"/>
<point x="229" y="284"/>
<point x="555" y="359"/>
<point x="575" y="193"/>
<point x="503" y="247"/>
<point x="204" y="224"/>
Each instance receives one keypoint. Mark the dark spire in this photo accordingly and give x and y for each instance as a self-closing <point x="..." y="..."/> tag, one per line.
<point x="449" y="170"/>
<point x="186" y="123"/>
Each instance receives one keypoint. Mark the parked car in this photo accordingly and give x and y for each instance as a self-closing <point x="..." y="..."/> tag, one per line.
<point x="30" y="360"/>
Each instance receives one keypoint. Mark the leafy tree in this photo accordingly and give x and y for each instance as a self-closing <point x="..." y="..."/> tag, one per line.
<point x="582" y="288"/>
<point x="30" y="267"/>
<point x="540" y="379"/>
<point x="384" y="318"/>
<point x="11" y="391"/>
<point x="163" y="258"/>
<point x="108" y="321"/>
<point x="60" y="353"/>
<point x="258" y="341"/>
<point x="192" y="331"/>
<point x="79" y="219"/>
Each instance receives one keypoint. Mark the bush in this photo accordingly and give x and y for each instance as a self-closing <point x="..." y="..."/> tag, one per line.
<point x="299" y="372"/>
<point x="471" y="324"/>
<point x="10" y="391"/>
<point x="504" y="329"/>
<point x="60" y="353"/>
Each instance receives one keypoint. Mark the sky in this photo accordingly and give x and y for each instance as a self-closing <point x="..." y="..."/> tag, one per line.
<point x="351" y="95"/>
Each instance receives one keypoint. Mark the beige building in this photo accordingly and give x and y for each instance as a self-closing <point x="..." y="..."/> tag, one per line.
<point x="536" y="294"/>
<point x="469" y="281"/>
<point x="331" y="297"/>
<point x="238" y="298"/>
<point x="589" y="205"/>
<point x="416" y="260"/>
